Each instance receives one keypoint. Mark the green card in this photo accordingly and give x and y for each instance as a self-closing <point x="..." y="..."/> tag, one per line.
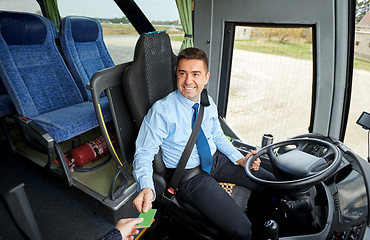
<point x="148" y="218"/>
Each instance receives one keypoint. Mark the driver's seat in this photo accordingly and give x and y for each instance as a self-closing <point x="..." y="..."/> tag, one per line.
<point x="150" y="77"/>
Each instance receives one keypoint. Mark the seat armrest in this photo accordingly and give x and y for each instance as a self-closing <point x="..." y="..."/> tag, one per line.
<point x="158" y="164"/>
<point x="106" y="78"/>
<point x="35" y="134"/>
<point x="160" y="185"/>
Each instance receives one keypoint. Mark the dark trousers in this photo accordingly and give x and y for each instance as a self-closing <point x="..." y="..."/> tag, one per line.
<point x="204" y="193"/>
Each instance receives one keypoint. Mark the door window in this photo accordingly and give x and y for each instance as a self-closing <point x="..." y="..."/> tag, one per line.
<point x="271" y="82"/>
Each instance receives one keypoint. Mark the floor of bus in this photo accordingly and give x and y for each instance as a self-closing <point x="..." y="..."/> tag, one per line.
<point x="58" y="215"/>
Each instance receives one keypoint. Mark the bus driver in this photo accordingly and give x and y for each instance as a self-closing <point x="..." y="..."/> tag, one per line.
<point x="169" y="124"/>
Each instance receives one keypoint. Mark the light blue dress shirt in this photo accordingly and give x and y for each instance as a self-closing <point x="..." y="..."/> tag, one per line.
<point x="168" y="124"/>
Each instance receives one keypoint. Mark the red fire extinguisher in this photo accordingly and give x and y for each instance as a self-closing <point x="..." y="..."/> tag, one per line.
<point x="92" y="150"/>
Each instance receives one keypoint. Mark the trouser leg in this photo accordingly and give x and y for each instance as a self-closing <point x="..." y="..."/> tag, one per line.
<point x="204" y="193"/>
<point x="224" y="170"/>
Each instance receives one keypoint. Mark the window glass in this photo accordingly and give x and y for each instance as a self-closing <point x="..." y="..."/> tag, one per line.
<point x="163" y="15"/>
<point x="120" y="36"/>
<point x="21" y="6"/>
<point x="271" y="82"/>
<point x="356" y="136"/>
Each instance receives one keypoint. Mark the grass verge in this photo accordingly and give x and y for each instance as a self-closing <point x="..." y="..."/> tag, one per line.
<point x="296" y="50"/>
<point x="361" y="64"/>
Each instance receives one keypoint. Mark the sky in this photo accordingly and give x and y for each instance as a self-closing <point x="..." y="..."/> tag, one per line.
<point x="153" y="9"/>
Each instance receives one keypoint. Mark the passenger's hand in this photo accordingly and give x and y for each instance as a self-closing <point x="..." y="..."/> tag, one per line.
<point x="143" y="201"/>
<point x="128" y="227"/>
<point x="255" y="165"/>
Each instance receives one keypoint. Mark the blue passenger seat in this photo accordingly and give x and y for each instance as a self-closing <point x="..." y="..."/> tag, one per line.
<point x="84" y="50"/>
<point x="37" y="79"/>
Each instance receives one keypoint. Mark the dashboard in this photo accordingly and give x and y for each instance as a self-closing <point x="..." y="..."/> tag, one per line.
<point x="351" y="196"/>
<point x="348" y="189"/>
<point x="347" y="193"/>
<point x="348" y="196"/>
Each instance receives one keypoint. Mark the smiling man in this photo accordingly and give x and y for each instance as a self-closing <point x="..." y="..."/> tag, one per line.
<point x="192" y="75"/>
<point x="168" y="125"/>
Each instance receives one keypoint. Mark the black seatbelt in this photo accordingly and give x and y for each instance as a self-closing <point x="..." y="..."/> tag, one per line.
<point x="187" y="151"/>
<point x="179" y="172"/>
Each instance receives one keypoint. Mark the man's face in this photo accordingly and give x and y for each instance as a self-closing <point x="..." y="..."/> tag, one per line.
<point x="192" y="75"/>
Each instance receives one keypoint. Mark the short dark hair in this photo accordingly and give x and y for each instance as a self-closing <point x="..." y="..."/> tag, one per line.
<point x="193" y="53"/>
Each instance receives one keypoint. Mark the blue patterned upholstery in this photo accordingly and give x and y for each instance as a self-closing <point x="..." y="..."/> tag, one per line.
<point x="53" y="27"/>
<point x="37" y="79"/>
<point x="84" y="49"/>
<point x="71" y="121"/>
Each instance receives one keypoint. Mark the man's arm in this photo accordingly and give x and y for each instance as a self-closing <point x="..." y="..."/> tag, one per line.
<point x="151" y="134"/>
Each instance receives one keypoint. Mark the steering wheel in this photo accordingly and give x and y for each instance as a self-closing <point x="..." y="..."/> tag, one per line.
<point x="310" y="162"/>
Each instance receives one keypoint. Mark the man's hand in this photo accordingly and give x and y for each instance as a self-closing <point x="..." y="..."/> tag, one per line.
<point x="143" y="201"/>
<point x="255" y="165"/>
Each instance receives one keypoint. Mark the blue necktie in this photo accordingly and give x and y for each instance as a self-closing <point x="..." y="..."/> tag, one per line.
<point x="206" y="160"/>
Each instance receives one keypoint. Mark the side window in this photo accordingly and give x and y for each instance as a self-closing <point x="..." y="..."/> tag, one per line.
<point x="271" y="82"/>
<point x="163" y="15"/>
<point x="120" y="36"/>
<point x="356" y="137"/>
<point x="30" y="6"/>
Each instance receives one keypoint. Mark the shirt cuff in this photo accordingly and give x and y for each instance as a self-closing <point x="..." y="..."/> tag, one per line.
<point x="235" y="157"/>
<point x="147" y="184"/>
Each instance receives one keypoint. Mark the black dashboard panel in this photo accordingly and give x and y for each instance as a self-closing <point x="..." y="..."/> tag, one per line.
<point x="349" y="191"/>
<point x="352" y="197"/>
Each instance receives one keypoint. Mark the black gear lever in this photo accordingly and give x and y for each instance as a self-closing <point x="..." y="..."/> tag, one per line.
<point x="290" y="206"/>
<point x="272" y="229"/>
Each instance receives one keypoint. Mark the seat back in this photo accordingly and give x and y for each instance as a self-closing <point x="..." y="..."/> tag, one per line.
<point x="151" y="75"/>
<point x="84" y="49"/>
<point x="53" y="28"/>
<point x="31" y="67"/>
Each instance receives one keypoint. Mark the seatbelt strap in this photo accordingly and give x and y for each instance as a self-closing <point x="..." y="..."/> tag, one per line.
<point x="187" y="151"/>
<point x="179" y="172"/>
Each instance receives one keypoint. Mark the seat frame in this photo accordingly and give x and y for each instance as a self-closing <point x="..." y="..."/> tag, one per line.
<point x="110" y="81"/>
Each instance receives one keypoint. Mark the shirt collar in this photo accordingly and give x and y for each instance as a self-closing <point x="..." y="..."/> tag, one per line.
<point x="187" y="102"/>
